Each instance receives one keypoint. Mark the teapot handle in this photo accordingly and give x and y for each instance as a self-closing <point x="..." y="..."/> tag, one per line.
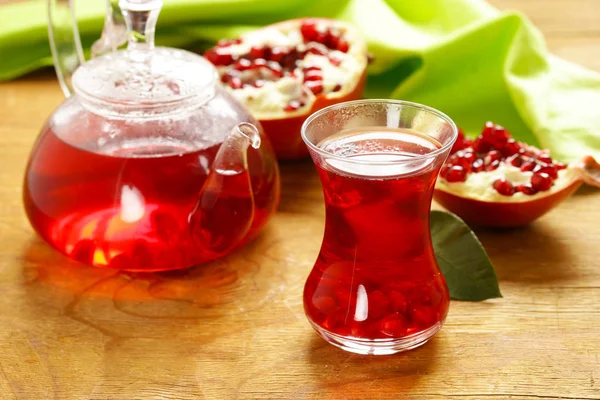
<point x="65" y="42"/>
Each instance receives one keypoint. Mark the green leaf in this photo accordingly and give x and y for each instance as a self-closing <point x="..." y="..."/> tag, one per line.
<point x="464" y="262"/>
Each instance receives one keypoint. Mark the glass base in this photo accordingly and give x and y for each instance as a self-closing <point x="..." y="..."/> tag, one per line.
<point x="378" y="346"/>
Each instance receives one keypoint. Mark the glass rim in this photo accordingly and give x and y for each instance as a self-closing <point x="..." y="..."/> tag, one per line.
<point x="401" y="103"/>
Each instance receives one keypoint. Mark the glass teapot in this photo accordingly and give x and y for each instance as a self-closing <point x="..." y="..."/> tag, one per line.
<point x="148" y="164"/>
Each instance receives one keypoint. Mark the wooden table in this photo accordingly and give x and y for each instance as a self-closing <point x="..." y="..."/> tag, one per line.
<point x="236" y="329"/>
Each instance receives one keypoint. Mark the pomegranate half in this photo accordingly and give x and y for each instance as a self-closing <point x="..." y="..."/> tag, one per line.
<point x="495" y="181"/>
<point x="287" y="71"/>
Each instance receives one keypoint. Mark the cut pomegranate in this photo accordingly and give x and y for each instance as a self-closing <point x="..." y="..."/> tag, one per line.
<point x="287" y="71"/>
<point x="504" y="182"/>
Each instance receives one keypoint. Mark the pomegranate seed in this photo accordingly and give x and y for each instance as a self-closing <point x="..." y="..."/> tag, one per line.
<point x="500" y="138"/>
<point x="397" y="301"/>
<point x="528" y="166"/>
<point x="495" y="135"/>
<point x="242" y="64"/>
<point x="545" y="158"/>
<point x="257" y="52"/>
<point x="463" y="160"/>
<point x="332" y="40"/>
<point x="481" y="146"/>
<point x="225" y="78"/>
<point x="488" y="129"/>
<point x="547" y="169"/>
<point x="515" y="160"/>
<point x="504" y="187"/>
<point x="468" y="154"/>
<point x="456" y="174"/>
<point x="308" y="29"/>
<point x="560" y="166"/>
<point x="511" y="147"/>
<point x="343" y="46"/>
<point x="236" y="83"/>
<point x="219" y="56"/>
<point x="313" y="75"/>
<point x="315" y="86"/>
<point x="394" y="325"/>
<point x="493" y="166"/>
<point x="541" y="181"/>
<point x="267" y="50"/>
<point x="337" y="88"/>
<point x="526" y="189"/>
<point x="492" y="156"/>
<point x="378" y="304"/>
<point x="321" y="37"/>
<point x="478" y="165"/>
<point x="277" y="54"/>
<point x="293" y="106"/>
<point x="325" y="304"/>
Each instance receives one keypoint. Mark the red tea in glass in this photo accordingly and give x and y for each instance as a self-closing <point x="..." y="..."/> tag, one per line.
<point x="376" y="287"/>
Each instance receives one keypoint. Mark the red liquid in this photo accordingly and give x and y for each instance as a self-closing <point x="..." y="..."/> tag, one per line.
<point x="132" y="207"/>
<point x="376" y="276"/>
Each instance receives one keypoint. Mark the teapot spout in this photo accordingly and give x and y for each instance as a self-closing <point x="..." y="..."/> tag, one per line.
<point x="224" y="213"/>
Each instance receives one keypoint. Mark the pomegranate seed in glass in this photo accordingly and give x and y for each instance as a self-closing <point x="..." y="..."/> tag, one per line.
<point x="376" y="287"/>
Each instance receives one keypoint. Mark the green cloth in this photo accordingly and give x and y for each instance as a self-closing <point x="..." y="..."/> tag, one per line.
<point x="460" y="56"/>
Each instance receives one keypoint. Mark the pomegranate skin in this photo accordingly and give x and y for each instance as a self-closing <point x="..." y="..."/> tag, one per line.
<point x="502" y="214"/>
<point x="284" y="133"/>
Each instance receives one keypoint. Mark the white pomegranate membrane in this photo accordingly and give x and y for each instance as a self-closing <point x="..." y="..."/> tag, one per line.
<point x="495" y="167"/>
<point x="282" y="68"/>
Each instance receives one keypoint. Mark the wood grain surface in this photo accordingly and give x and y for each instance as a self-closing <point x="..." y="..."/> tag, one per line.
<point x="235" y="329"/>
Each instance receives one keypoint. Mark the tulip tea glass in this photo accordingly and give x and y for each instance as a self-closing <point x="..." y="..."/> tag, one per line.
<point x="376" y="287"/>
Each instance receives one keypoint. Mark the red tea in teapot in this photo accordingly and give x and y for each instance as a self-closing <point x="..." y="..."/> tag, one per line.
<point x="149" y="164"/>
<point x="136" y="205"/>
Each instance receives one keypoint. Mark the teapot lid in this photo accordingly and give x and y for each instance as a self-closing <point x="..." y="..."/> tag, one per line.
<point x="144" y="78"/>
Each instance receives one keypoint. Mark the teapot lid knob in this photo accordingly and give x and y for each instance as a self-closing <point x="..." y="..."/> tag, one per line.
<point x="140" y="17"/>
